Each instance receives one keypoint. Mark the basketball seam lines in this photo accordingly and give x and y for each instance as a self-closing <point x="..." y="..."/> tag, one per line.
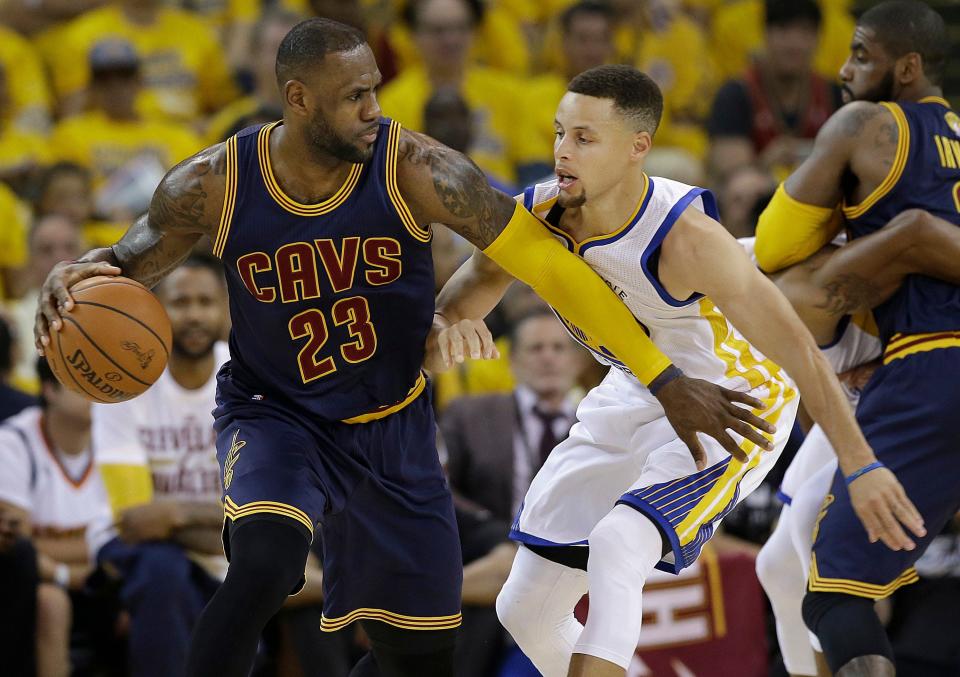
<point x="63" y="361"/>
<point x="129" y="317"/>
<point x="101" y="351"/>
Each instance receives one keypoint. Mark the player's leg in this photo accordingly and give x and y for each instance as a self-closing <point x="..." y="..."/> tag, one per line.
<point x="54" y="618"/>
<point x="536" y="607"/>
<point x="625" y="546"/>
<point x="906" y="413"/>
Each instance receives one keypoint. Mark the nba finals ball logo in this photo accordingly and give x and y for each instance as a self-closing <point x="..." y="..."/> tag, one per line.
<point x="953" y="122"/>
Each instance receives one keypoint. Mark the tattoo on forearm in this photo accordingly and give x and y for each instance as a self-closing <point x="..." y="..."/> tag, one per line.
<point x="847" y="293"/>
<point x="463" y="190"/>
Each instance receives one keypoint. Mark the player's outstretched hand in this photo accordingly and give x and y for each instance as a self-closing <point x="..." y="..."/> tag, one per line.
<point x="448" y="344"/>
<point x="693" y="405"/>
<point x="55" y="298"/>
<point x="882" y="506"/>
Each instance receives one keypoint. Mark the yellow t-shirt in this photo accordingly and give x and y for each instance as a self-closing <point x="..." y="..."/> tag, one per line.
<point x="543" y="94"/>
<point x="19" y="149"/>
<point x="475" y="377"/>
<point x="14" y="222"/>
<point x="229" y="115"/>
<point x="103" y="145"/>
<point x="738" y="32"/>
<point x="502" y="139"/>
<point x="26" y="83"/>
<point x="184" y="68"/>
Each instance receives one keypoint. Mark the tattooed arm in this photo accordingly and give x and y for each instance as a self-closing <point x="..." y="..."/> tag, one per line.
<point x="867" y="271"/>
<point x="185" y="206"/>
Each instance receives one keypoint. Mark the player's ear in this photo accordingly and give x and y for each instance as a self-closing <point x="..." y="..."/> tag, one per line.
<point x="642" y="141"/>
<point x="909" y="68"/>
<point x="294" y="95"/>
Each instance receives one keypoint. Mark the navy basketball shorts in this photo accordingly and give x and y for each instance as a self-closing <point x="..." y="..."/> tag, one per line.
<point x="909" y="415"/>
<point x="375" y="490"/>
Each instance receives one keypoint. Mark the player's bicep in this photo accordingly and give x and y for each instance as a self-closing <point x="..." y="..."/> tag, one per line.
<point x="441" y="185"/>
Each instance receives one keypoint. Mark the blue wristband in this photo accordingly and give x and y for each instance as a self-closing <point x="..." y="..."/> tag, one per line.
<point x="671" y="373"/>
<point x="863" y="471"/>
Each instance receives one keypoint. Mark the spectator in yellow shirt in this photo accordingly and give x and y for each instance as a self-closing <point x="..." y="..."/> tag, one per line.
<point x="64" y="189"/>
<point x="444" y="31"/>
<point x="586" y="30"/>
<point x="113" y="136"/>
<point x="14" y="221"/>
<point x="185" y="73"/>
<point x="21" y="153"/>
<point x="26" y="84"/>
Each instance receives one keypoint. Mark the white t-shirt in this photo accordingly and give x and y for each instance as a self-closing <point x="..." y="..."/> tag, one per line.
<point x="168" y="429"/>
<point x="63" y="493"/>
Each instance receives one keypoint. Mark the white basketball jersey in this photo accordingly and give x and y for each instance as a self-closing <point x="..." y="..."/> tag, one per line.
<point x="63" y="494"/>
<point x="692" y="332"/>
<point x="169" y="429"/>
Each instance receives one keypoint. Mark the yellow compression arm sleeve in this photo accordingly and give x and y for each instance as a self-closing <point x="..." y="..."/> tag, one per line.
<point x="528" y="251"/>
<point x="127" y="485"/>
<point x="789" y="231"/>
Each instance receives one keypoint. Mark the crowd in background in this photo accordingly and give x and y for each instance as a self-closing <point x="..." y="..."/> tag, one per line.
<point x="98" y="98"/>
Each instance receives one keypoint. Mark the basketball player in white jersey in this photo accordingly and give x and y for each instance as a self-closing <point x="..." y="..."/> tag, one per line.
<point x="48" y="485"/>
<point x="623" y="483"/>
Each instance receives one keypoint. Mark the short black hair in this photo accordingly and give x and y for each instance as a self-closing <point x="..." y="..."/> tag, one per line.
<point x="309" y="41"/>
<point x="411" y="12"/>
<point x="586" y="8"/>
<point x="904" y="26"/>
<point x="635" y="95"/>
<point x="199" y="259"/>
<point x="58" y="169"/>
<point x="781" y="13"/>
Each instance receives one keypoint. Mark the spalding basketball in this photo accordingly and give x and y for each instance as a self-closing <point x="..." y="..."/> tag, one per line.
<point x="115" y="342"/>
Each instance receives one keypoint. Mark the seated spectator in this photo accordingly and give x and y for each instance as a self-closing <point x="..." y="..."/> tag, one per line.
<point x="52" y="239"/>
<point x="745" y="189"/>
<point x="49" y="487"/>
<point x="26" y="84"/>
<point x="65" y="189"/>
<point x="737" y="36"/>
<point x="12" y="400"/>
<point x="14" y="223"/>
<point x="586" y="40"/>
<point x="21" y="152"/>
<point x="443" y="31"/>
<point x="497" y="443"/>
<point x="30" y="17"/>
<point x="772" y="114"/>
<point x="112" y="136"/>
<point x="265" y="40"/>
<point x="185" y="74"/>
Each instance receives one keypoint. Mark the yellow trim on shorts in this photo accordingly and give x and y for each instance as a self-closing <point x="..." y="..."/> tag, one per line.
<point x="896" y="170"/>
<point x="392" y="409"/>
<point x="858" y="588"/>
<point x="393" y="189"/>
<point x="235" y="512"/>
<point x="288" y="203"/>
<point x="391" y="618"/>
<point x="902" y="345"/>
<point x="229" y="198"/>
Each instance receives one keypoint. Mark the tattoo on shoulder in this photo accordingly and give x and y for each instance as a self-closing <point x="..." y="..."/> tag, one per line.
<point x="479" y="212"/>
<point x="180" y="202"/>
<point x="847" y="293"/>
<point x="854" y="121"/>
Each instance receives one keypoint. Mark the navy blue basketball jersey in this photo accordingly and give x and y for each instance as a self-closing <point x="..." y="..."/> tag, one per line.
<point x="331" y="302"/>
<point x="925" y="175"/>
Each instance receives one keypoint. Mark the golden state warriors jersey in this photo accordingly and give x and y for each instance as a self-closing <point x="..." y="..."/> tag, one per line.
<point x="925" y="175"/>
<point x="692" y="332"/>
<point x="330" y="302"/>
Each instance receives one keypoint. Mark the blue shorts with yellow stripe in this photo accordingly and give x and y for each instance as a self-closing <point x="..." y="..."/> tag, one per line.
<point x="909" y="415"/>
<point x="375" y="490"/>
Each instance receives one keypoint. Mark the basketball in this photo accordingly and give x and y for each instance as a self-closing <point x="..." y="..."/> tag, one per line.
<point x="114" y="343"/>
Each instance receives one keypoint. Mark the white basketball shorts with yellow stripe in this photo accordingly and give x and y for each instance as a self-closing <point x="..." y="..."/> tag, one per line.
<point x="623" y="450"/>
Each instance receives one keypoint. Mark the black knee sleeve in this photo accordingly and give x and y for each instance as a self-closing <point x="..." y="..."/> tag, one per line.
<point x="411" y="653"/>
<point x="847" y="627"/>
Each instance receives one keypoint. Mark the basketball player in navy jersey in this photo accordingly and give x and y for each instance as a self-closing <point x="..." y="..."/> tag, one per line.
<point x="322" y="221"/>
<point x="871" y="162"/>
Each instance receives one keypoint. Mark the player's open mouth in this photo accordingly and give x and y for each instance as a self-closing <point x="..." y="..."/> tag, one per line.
<point x="370" y="137"/>
<point x="565" y="181"/>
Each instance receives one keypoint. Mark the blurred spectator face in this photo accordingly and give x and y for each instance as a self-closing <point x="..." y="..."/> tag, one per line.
<point x="790" y="48"/>
<point x="115" y="69"/>
<point x="195" y="301"/>
<point x="543" y="357"/>
<point x="588" y="41"/>
<point x="867" y="74"/>
<point x="66" y="403"/>
<point x="67" y="193"/>
<point x="266" y="42"/>
<point x="447" y="118"/>
<point x="54" y="238"/>
<point x="740" y="195"/>
<point x="345" y="11"/>
<point x="443" y="31"/>
<point x="595" y="148"/>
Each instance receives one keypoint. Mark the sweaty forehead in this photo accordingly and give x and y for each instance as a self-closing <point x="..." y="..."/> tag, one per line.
<point x="864" y="37"/>
<point x="580" y="110"/>
<point x="353" y="68"/>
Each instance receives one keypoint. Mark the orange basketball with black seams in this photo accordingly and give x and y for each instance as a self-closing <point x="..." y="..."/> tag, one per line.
<point x="115" y="342"/>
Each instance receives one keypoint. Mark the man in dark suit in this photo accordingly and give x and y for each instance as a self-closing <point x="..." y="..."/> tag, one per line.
<point x="497" y="443"/>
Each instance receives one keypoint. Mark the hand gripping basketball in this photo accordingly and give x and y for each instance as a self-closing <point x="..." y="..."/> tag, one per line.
<point x="55" y="297"/>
